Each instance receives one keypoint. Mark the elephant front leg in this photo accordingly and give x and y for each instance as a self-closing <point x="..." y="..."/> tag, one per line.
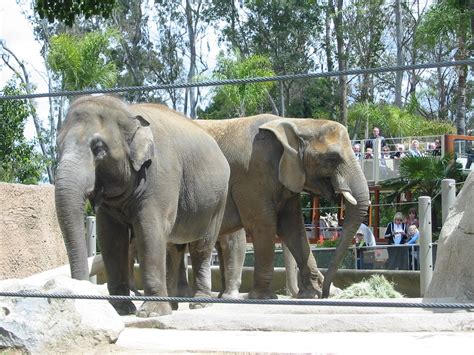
<point x="291" y="230"/>
<point x="264" y="250"/>
<point x="151" y="245"/>
<point x="114" y="243"/>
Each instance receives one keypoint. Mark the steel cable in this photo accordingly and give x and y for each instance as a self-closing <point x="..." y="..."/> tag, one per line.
<point x="293" y="302"/>
<point x="241" y="81"/>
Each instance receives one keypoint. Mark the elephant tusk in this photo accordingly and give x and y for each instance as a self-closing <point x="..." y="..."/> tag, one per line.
<point x="348" y="196"/>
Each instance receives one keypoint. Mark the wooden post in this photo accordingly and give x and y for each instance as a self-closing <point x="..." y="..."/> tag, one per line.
<point x="315" y="216"/>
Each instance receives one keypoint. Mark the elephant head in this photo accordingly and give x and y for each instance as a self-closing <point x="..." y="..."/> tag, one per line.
<point x="101" y="148"/>
<point x="317" y="157"/>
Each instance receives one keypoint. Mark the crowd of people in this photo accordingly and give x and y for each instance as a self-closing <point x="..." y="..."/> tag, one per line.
<point x="399" y="231"/>
<point x="395" y="151"/>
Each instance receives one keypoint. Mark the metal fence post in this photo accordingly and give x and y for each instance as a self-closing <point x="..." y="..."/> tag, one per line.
<point x="91" y="241"/>
<point x="448" y="195"/>
<point x="426" y="254"/>
<point x="376" y="151"/>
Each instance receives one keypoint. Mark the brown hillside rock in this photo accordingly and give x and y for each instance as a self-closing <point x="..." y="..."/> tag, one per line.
<point x="30" y="238"/>
<point x="453" y="277"/>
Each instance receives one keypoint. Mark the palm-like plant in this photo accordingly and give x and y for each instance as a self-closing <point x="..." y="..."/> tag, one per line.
<point x="422" y="176"/>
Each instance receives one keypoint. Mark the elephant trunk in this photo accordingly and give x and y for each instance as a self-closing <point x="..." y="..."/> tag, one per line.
<point x="74" y="181"/>
<point x="351" y="179"/>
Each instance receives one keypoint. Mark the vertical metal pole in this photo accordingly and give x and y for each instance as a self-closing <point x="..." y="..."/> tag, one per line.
<point x="91" y="241"/>
<point x="376" y="151"/>
<point x="448" y="195"/>
<point x="426" y="255"/>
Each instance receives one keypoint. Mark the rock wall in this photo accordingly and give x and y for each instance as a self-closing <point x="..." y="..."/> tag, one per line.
<point x="30" y="238"/>
<point x="453" y="277"/>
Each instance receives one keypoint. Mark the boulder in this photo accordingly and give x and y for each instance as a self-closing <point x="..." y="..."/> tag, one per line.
<point x="453" y="276"/>
<point x="30" y="237"/>
<point x="49" y="325"/>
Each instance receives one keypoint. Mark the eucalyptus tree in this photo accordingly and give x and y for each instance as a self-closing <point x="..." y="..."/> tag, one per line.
<point x="188" y="27"/>
<point x="19" y="162"/>
<point x="448" y="22"/>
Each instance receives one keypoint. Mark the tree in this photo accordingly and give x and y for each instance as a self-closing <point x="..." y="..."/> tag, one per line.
<point x="393" y="121"/>
<point x="66" y="11"/>
<point x="135" y="56"/>
<point x="445" y="21"/>
<point x="189" y="15"/>
<point x="244" y="99"/>
<point x="23" y="76"/>
<point x="270" y="28"/>
<point x="83" y="61"/>
<point x="19" y="163"/>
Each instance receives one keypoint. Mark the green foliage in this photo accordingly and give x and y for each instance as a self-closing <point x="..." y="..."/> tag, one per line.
<point x="67" y="10"/>
<point x="393" y="121"/>
<point x="377" y="286"/>
<point x="312" y="99"/>
<point x="19" y="163"/>
<point x="244" y="98"/>
<point x="442" y="22"/>
<point x="422" y="176"/>
<point x="83" y="61"/>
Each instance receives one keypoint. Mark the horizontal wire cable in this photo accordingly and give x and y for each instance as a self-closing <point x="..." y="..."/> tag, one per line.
<point x="294" y="302"/>
<point x="241" y="81"/>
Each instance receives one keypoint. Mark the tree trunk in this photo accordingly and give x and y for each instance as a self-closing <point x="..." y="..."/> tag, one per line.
<point x="399" y="34"/>
<point x="191" y="25"/>
<point x="341" y="58"/>
<point x="462" y="79"/>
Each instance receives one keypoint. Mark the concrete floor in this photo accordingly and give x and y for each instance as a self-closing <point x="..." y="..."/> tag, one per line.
<point x="230" y="328"/>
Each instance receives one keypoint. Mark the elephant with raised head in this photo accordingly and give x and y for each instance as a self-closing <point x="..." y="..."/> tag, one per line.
<point x="272" y="160"/>
<point x="146" y="168"/>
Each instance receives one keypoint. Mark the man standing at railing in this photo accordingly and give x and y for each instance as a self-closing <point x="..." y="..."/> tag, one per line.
<point x="375" y="134"/>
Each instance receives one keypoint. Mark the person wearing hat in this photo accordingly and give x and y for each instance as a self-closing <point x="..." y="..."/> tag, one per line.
<point x="364" y="237"/>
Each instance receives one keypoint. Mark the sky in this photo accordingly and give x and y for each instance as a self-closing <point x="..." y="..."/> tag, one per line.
<point x="17" y="33"/>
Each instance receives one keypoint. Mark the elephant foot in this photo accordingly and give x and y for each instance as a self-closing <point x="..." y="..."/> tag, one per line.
<point x="154" y="309"/>
<point x="199" y="305"/>
<point x="124" y="307"/>
<point x="174" y="306"/>
<point x="308" y="294"/>
<point x="262" y="294"/>
<point x="234" y="294"/>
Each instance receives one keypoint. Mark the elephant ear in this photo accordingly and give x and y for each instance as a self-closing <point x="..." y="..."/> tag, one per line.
<point x="142" y="147"/>
<point x="291" y="172"/>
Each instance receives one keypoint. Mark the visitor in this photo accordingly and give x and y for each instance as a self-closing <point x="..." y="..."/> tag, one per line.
<point x="375" y="134"/>
<point x="368" y="154"/>
<point x="414" y="240"/>
<point x="356" y="150"/>
<point x="412" y="217"/>
<point x="415" y="149"/>
<point x="365" y="237"/>
<point x="397" y="234"/>
<point x="399" y="152"/>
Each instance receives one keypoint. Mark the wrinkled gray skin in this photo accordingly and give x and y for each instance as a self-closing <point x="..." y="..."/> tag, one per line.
<point x="147" y="168"/>
<point x="272" y="160"/>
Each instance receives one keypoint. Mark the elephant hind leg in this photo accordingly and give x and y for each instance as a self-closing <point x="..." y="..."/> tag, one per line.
<point x="232" y="249"/>
<point x="174" y="258"/>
